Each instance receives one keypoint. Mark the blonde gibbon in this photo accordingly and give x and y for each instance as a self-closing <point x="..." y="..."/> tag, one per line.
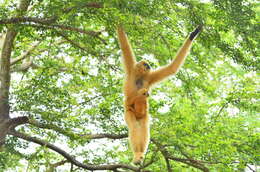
<point x="139" y="78"/>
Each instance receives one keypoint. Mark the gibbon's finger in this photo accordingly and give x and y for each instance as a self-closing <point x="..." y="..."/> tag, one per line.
<point x="195" y="32"/>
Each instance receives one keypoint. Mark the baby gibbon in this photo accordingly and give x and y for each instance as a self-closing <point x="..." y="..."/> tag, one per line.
<point x="139" y="76"/>
<point x="139" y="105"/>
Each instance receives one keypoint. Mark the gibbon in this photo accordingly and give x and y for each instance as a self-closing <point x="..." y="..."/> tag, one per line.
<point x="139" y="105"/>
<point x="139" y="76"/>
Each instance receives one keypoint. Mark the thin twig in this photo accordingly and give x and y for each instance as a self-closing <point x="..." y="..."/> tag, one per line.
<point x="26" y="53"/>
<point x="191" y="162"/>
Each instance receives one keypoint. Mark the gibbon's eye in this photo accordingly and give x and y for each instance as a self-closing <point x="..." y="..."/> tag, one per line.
<point x="147" y="66"/>
<point x="146" y="94"/>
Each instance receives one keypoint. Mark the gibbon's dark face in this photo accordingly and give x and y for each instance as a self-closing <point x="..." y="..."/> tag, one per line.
<point x="143" y="67"/>
<point x="147" y="66"/>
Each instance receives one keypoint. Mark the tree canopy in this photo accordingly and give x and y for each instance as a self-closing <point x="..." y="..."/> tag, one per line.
<point x="61" y="100"/>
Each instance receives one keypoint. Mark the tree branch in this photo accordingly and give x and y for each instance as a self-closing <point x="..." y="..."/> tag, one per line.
<point x="64" y="27"/>
<point x="69" y="157"/>
<point x="101" y="136"/>
<point x="169" y="168"/>
<point x="45" y="23"/>
<point x="25" y="66"/>
<point x="72" y="42"/>
<point x="14" y="122"/>
<point x="151" y="161"/>
<point x="191" y="162"/>
<point x="16" y="20"/>
<point x="55" y="165"/>
<point x="73" y="135"/>
<point x="25" y="54"/>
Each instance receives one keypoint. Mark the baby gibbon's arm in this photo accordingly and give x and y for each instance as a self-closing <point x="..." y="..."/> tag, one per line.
<point x="131" y="100"/>
<point x="160" y="74"/>
<point x="128" y="55"/>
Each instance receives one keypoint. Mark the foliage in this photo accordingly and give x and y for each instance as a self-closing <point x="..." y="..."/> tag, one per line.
<point x="206" y="114"/>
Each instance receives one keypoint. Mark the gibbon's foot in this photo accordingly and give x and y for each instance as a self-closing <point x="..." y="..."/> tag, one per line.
<point x="138" y="160"/>
<point x="195" y="32"/>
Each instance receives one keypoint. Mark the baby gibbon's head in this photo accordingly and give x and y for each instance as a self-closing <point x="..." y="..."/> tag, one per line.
<point x="142" y="68"/>
<point x="143" y="92"/>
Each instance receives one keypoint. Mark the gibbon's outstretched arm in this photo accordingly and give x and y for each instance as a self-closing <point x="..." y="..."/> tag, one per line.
<point x="160" y="74"/>
<point x="129" y="58"/>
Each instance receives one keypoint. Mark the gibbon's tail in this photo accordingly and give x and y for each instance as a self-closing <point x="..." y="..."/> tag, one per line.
<point x="195" y="32"/>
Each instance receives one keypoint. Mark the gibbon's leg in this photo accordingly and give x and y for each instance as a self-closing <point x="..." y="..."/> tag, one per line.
<point x="142" y="140"/>
<point x="128" y="55"/>
<point x="133" y="132"/>
<point x="145" y="137"/>
<point x="160" y="74"/>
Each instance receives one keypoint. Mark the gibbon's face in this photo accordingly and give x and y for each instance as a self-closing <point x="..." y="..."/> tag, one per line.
<point x="142" y="67"/>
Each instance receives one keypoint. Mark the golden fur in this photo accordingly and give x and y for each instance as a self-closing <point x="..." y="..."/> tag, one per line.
<point x="139" y="79"/>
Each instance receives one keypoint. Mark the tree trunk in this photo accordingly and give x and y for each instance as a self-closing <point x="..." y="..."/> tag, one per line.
<point x="5" y="76"/>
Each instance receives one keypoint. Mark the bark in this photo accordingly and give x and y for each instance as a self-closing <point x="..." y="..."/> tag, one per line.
<point x="5" y="83"/>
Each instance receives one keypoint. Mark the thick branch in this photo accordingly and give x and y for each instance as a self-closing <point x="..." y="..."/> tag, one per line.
<point x="69" y="157"/>
<point x="101" y="136"/>
<point x="16" y="20"/>
<point x="14" y="122"/>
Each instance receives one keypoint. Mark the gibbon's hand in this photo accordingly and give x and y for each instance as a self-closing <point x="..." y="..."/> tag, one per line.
<point x="195" y="32"/>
